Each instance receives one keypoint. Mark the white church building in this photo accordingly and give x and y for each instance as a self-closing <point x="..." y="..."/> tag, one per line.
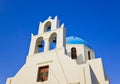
<point x="53" y="59"/>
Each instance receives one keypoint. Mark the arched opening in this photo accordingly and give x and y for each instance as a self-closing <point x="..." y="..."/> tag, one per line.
<point x="73" y="53"/>
<point x="89" y="57"/>
<point x="53" y="41"/>
<point x="47" y="27"/>
<point x="39" y="45"/>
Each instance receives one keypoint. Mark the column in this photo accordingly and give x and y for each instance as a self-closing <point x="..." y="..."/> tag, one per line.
<point x="47" y="44"/>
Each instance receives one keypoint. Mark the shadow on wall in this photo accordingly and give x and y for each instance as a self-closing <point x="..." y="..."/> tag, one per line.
<point x="79" y="59"/>
<point x="94" y="79"/>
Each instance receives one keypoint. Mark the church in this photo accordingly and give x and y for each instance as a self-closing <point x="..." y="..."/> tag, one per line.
<point x="55" y="59"/>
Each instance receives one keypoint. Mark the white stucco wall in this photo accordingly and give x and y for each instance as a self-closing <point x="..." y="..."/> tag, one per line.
<point x="62" y="69"/>
<point x="82" y="52"/>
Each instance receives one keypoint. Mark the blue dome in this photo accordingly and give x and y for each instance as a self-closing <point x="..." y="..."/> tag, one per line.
<point x="76" y="40"/>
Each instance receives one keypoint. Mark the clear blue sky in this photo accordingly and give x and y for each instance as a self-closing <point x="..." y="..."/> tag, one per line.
<point x="96" y="21"/>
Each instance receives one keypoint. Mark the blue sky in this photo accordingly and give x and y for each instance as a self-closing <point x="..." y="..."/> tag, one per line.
<point x="96" y="21"/>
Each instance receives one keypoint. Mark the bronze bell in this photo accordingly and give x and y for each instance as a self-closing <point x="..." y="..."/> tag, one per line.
<point x="49" y="27"/>
<point x="54" y="40"/>
<point x="40" y="45"/>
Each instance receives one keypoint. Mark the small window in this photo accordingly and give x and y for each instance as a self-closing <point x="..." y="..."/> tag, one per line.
<point x="43" y="74"/>
<point x="73" y="53"/>
<point x="89" y="57"/>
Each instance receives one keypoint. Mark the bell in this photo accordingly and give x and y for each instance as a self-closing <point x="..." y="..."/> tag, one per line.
<point x="40" y="45"/>
<point x="54" y="40"/>
<point x="49" y="27"/>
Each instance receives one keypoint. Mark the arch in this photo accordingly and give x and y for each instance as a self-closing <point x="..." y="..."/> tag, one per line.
<point x="89" y="56"/>
<point x="47" y="26"/>
<point x="39" y="45"/>
<point x="73" y="53"/>
<point x="53" y="41"/>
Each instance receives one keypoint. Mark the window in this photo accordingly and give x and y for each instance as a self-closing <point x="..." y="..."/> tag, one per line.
<point x="89" y="57"/>
<point x="73" y="53"/>
<point x="43" y="74"/>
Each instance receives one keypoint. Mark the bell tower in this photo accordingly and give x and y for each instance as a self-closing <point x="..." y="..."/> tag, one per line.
<point x="53" y="59"/>
<point x="50" y="36"/>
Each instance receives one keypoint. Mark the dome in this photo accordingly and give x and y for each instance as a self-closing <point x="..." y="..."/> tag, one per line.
<point x="76" y="40"/>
